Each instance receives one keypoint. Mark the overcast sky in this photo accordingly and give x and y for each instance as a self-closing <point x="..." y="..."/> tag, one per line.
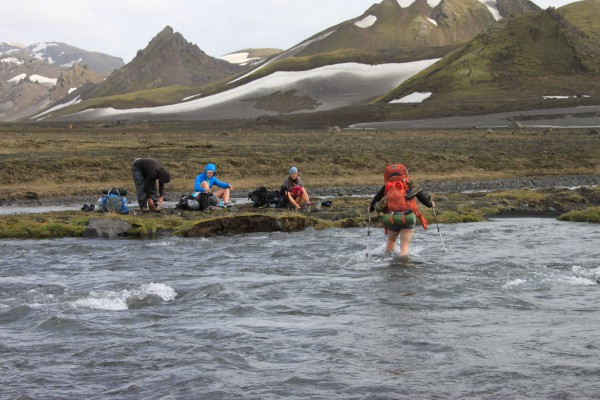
<point x="122" y="27"/>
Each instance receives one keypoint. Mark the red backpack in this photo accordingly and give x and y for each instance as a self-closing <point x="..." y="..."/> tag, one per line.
<point x="396" y="186"/>
<point x="394" y="172"/>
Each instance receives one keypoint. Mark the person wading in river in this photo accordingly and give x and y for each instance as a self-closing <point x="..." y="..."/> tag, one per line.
<point x="397" y="200"/>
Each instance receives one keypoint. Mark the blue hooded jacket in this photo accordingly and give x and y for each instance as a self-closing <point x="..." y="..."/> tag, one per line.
<point x="211" y="181"/>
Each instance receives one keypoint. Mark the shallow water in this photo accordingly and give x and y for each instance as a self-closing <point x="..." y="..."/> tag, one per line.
<point x="510" y="310"/>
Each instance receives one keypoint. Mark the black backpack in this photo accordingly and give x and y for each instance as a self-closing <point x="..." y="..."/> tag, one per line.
<point x="262" y="197"/>
<point x="193" y="202"/>
<point x="259" y="196"/>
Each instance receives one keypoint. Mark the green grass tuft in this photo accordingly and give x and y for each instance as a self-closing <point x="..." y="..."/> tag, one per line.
<point x="589" y="215"/>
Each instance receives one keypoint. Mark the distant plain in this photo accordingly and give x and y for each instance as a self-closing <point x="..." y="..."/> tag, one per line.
<point x="46" y="161"/>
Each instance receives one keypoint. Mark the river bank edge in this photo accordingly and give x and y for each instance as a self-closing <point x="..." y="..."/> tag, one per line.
<point x="32" y="199"/>
<point x="574" y="198"/>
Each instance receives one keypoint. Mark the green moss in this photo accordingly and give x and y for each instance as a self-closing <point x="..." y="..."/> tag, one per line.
<point x="50" y="225"/>
<point x="587" y="215"/>
<point x="453" y="217"/>
<point x="522" y="195"/>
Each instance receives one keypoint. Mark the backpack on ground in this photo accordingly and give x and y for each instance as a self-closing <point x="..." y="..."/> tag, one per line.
<point x="117" y="191"/>
<point x="263" y="197"/>
<point x="113" y="201"/>
<point x="196" y="201"/>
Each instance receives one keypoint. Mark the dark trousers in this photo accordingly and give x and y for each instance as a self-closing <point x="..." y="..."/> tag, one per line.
<point x="141" y="190"/>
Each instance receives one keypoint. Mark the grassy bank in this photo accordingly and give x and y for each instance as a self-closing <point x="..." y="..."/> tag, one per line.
<point x="581" y="205"/>
<point x="43" y="161"/>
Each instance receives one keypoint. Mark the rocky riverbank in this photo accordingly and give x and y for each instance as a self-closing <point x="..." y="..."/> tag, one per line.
<point x="575" y="198"/>
<point x="432" y="187"/>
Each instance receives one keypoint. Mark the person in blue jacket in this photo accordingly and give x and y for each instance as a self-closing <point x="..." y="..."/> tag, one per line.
<point x="206" y="180"/>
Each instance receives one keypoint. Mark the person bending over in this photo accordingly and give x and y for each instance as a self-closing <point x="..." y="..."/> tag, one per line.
<point x="146" y="171"/>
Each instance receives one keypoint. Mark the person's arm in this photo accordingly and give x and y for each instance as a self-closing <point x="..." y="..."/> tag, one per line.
<point x="197" y="187"/>
<point x="377" y="197"/>
<point x="222" y="185"/>
<point x="425" y="199"/>
<point x="161" y="189"/>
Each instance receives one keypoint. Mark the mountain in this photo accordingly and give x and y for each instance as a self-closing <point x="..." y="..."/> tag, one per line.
<point x="168" y="60"/>
<point x="420" y="23"/>
<point x="549" y="53"/>
<point x="250" y="57"/>
<point x="34" y="77"/>
<point x="63" y="55"/>
<point x="29" y="86"/>
<point x="7" y="49"/>
<point x="348" y="64"/>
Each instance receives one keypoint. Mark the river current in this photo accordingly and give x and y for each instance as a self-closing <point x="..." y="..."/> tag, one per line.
<point x="510" y="310"/>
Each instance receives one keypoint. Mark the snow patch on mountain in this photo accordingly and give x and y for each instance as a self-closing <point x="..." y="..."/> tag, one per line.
<point x="58" y="107"/>
<point x="239" y="58"/>
<point x="366" y="22"/>
<point x="69" y="64"/>
<point x="492" y="6"/>
<point x="42" y="80"/>
<point x="16" y="79"/>
<point x="407" y="3"/>
<point x="37" y="51"/>
<point x="287" y="53"/>
<point x="332" y="86"/>
<point x="12" y="60"/>
<point x="416" y="97"/>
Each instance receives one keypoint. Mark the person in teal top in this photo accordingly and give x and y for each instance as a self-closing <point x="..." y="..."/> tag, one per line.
<point x="206" y="180"/>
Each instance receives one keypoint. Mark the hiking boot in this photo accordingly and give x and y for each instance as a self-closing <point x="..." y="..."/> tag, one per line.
<point x="85" y="207"/>
<point x="144" y="209"/>
<point x="156" y="209"/>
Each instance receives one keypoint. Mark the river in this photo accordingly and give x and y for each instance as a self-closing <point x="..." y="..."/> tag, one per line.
<point x="509" y="310"/>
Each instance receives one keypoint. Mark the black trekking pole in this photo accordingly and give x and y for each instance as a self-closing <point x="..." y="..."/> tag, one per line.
<point x="368" y="231"/>
<point x="438" y="228"/>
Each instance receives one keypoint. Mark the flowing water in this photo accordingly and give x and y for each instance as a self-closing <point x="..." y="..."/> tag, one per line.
<point x="509" y="311"/>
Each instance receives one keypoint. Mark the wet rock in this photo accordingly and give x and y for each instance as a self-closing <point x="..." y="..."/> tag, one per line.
<point x="108" y="228"/>
<point x="249" y="224"/>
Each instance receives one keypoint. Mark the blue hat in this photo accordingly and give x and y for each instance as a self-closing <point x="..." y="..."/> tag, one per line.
<point x="210" y="167"/>
<point x="293" y="170"/>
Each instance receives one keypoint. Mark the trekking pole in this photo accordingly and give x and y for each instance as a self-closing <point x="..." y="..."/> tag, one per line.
<point x="438" y="228"/>
<point x="368" y="231"/>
